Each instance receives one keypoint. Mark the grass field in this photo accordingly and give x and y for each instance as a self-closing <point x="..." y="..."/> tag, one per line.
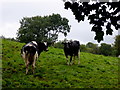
<point x="95" y="71"/>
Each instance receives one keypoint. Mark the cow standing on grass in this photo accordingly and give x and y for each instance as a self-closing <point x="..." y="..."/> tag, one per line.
<point x="31" y="51"/>
<point x="72" y="49"/>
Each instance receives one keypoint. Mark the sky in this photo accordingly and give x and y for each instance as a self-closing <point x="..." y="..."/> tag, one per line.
<point x="12" y="11"/>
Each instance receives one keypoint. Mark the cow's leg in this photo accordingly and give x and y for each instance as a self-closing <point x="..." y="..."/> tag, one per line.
<point x="27" y="64"/>
<point x="24" y="57"/>
<point x="79" y="57"/>
<point x="33" y="67"/>
<point x="67" y="59"/>
<point x="71" y="60"/>
<point x="74" y="60"/>
<point x="34" y="62"/>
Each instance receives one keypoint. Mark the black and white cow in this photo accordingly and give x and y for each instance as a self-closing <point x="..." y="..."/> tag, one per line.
<point x="72" y="48"/>
<point x="31" y="51"/>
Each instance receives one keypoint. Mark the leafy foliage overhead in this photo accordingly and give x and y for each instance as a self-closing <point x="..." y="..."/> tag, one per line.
<point x="44" y="28"/>
<point x="99" y="14"/>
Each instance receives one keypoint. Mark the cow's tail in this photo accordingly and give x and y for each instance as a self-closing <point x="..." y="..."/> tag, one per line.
<point x="30" y="54"/>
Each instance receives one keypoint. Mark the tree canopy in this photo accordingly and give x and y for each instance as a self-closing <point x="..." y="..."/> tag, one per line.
<point x="105" y="49"/>
<point x="117" y="44"/>
<point x="102" y="15"/>
<point x="45" y="28"/>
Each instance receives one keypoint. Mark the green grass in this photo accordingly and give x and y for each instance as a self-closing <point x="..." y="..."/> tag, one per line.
<point x="95" y="71"/>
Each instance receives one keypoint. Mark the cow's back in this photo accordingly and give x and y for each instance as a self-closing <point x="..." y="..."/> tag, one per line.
<point x="29" y="48"/>
<point x="75" y="47"/>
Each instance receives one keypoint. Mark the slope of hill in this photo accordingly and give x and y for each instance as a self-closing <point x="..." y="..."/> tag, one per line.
<point x="95" y="71"/>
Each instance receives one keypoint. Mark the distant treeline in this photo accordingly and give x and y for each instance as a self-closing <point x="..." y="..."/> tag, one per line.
<point x="103" y="49"/>
<point x="11" y="39"/>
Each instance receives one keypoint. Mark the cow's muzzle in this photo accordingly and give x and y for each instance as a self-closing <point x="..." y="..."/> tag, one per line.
<point x="46" y="50"/>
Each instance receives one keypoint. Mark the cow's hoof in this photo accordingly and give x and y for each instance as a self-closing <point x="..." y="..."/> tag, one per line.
<point x="26" y="72"/>
<point x="67" y="63"/>
<point x="74" y="63"/>
<point x="33" y="73"/>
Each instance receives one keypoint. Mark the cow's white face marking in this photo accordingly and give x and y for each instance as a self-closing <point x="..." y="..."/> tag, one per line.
<point x="45" y="43"/>
<point x="119" y="56"/>
<point x="34" y="42"/>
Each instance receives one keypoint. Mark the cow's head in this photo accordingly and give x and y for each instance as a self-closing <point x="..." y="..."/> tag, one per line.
<point x="67" y="44"/>
<point x="45" y="46"/>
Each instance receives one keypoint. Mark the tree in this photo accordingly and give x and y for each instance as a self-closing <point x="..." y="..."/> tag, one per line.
<point x="59" y="45"/>
<point x="114" y="51"/>
<point x="92" y="48"/>
<point x="105" y="49"/>
<point x="99" y="14"/>
<point x="117" y="44"/>
<point x="44" y="28"/>
<point x="90" y="45"/>
<point x="83" y="48"/>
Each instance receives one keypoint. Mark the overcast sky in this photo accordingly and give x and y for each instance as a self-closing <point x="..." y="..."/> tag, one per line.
<point x="12" y="11"/>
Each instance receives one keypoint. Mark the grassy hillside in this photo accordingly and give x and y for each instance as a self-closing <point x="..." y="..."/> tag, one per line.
<point x="95" y="71"/>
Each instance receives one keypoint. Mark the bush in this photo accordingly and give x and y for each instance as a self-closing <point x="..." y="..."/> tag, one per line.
<point x="59" y="45"/>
